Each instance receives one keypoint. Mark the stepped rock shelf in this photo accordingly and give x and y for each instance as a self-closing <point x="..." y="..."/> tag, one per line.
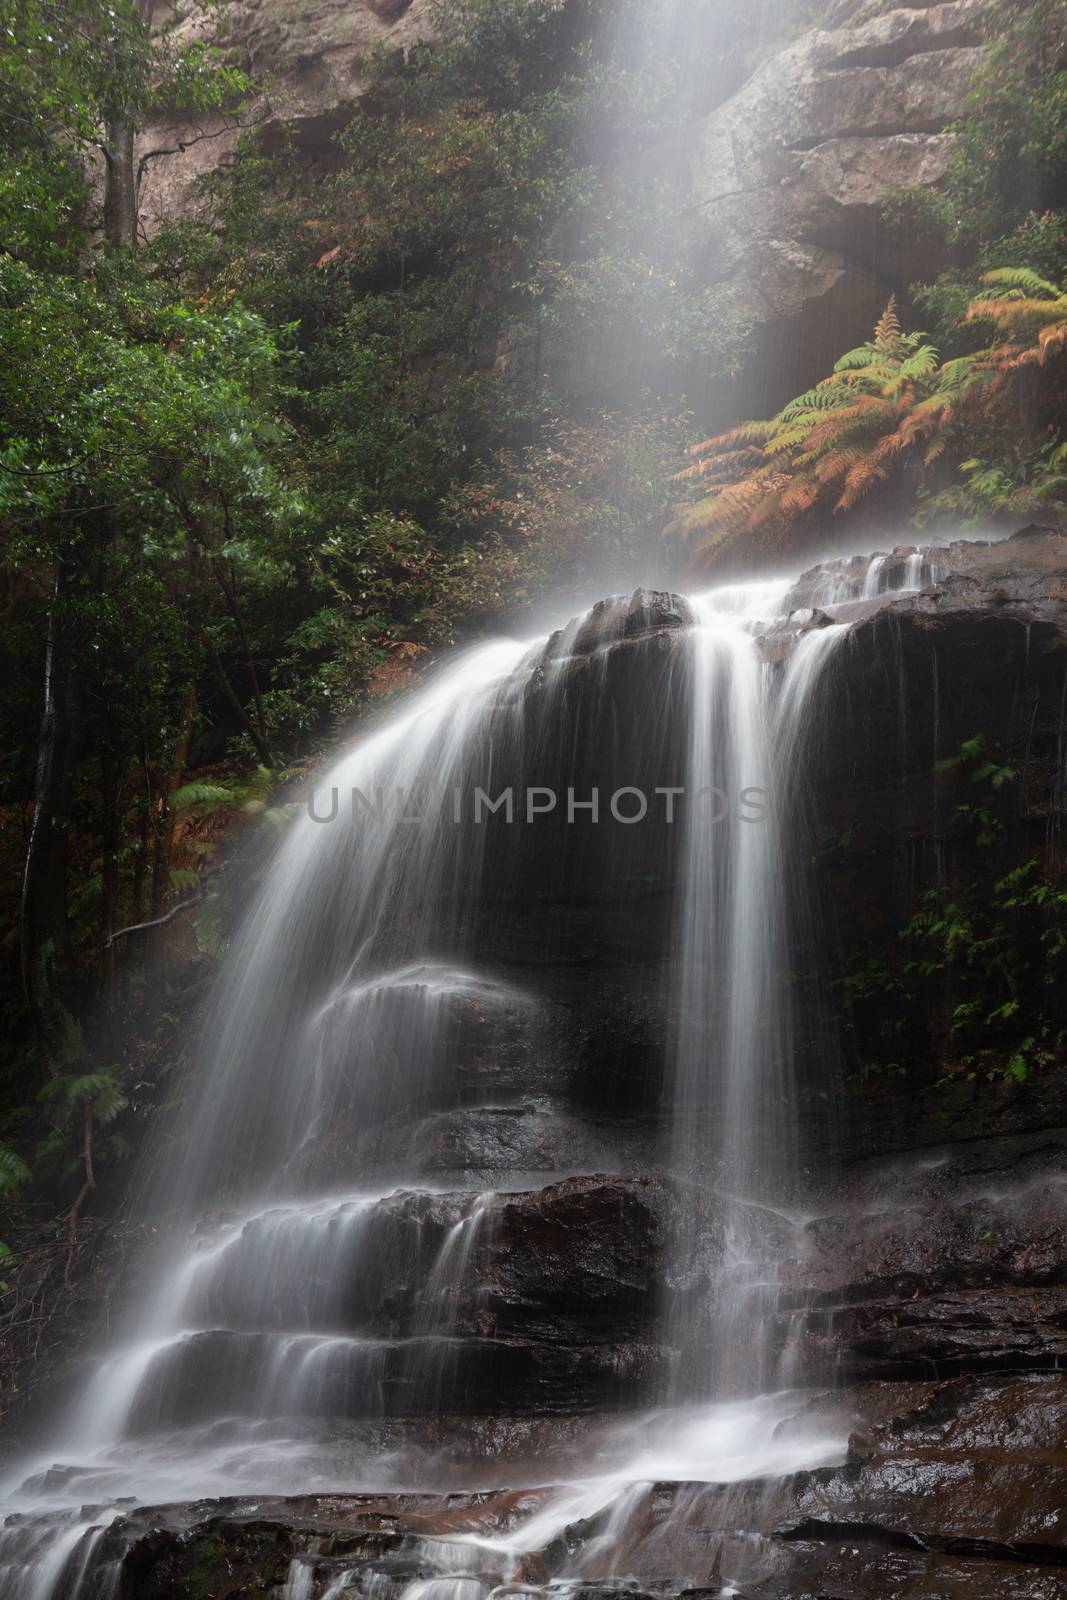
<point x="454" y="1353"/>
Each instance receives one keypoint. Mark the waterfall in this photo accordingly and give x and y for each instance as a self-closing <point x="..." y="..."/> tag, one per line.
<point x="314" y="1276"/>
<point x="734" y="1122"/>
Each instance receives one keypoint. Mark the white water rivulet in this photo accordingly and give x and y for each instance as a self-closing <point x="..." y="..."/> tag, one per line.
<point x="316" y="1299"/>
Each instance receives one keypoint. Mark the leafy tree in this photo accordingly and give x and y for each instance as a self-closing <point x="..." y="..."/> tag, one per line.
<point x="77" y="79"/>
<point x="137" y="460"/>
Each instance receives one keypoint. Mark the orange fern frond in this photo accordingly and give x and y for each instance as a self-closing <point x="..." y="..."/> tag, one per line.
<point x="887" y="329"/>
<point x="1052" y="340"/>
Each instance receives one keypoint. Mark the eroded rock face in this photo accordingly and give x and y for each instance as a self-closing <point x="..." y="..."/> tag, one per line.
<point x="788" y="173"/>
<point x="789" y="177"/>
<point x="309" y="54"/>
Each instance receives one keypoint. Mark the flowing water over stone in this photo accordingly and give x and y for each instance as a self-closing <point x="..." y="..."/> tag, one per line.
<point x="377" y="1132"/>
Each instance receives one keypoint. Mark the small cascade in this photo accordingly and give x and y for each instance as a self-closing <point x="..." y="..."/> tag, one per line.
<point x="872" y="583"/>
<point x="447" y="1301"/>
<point x="905" y="570"/>
<point x="300" y="1582"/>
<point x="338" y="1585"/>
<point x="48" y="1559"/>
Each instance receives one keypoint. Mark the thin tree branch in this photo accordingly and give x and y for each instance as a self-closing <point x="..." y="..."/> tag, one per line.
<point x="237" y="126"/>
<point x="156" y="922"/>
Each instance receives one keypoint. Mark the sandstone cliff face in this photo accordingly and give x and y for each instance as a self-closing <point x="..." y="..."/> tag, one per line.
<point x="308" y="53"/>
<point x="788" y="172"/>
<point x="790" y="175"/>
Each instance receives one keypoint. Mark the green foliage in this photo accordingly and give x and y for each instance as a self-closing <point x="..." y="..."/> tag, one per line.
<point x="115" y="396"/>
<point x="1009" y="160"/>
<point x="998" y="957"/>
<point x="889" y="405"/>
<point x="979" y="966"/>
<point x="1030" y="484"/>
<point x="69" y="1095"/>
<point x="1040" y="240"/>
<point x="14" y="1173"/>
<point x="68" y="70"/>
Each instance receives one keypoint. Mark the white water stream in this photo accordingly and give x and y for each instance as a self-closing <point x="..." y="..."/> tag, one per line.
<point x="269" y="1326"/>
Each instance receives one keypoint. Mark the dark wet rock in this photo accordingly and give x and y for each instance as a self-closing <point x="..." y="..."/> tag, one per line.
<point x="594" y="1254"/>
<point x="980" y="651"/>
<point x="933" y="1284"/>
<point x="645" y="612"/>
<point x="930" y="1271"/>
<point x="505" y="1143"/>
<point x="244" y="1548"/>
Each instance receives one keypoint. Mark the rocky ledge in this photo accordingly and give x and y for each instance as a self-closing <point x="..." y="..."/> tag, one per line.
<point x="950" y="1489"/>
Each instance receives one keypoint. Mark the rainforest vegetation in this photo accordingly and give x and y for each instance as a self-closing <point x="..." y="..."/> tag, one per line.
<point x="258" y="465"/>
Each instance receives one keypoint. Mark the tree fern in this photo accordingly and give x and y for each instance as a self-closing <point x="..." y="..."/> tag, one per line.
<point x="1030" y="312"/>
<point x="101" y="1091"/>
<point x="832" y="445"/>
<point x="1022" y="278"/>
<point x="890" y="407"/>
<point x="204" y="797"/>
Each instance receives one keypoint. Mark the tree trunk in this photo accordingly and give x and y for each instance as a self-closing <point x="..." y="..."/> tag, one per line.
<point x="166" y="821"/>
<point x="261" y="747"/>
<point x="110" y="844"/>
<point x="45" y="939"/>
<point x="120" y="193"/>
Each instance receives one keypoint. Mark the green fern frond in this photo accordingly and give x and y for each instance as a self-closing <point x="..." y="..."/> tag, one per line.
<point x="108" y="1102"/>
<point x="14" y="1173"/>
<point x="923" y="364"/>
<point x="817" y="399"/>
<point x="204" y="797"/>
<point x="864" y="356"/>
<point x="1023" y="278"/>
<point x="789" y="438"/>
<point x="66" y="1093"/>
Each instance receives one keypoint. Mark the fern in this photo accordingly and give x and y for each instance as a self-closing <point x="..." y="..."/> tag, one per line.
<point x="101" y="1091"/>
<point x="204" y="797"/>
<point x="889" y="407"/>
<point x="1022" y="278"/>
<point x="1030" y="311"/>
<point x="887" y="329"/>
<point x="14" y="1173"/>
<point x="833" y="444"/>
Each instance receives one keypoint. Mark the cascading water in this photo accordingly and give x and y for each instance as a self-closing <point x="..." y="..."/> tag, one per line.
<point x="734" y="1120"/>
<point x="278" y="1323"/>
<point x="901" y="571"/>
